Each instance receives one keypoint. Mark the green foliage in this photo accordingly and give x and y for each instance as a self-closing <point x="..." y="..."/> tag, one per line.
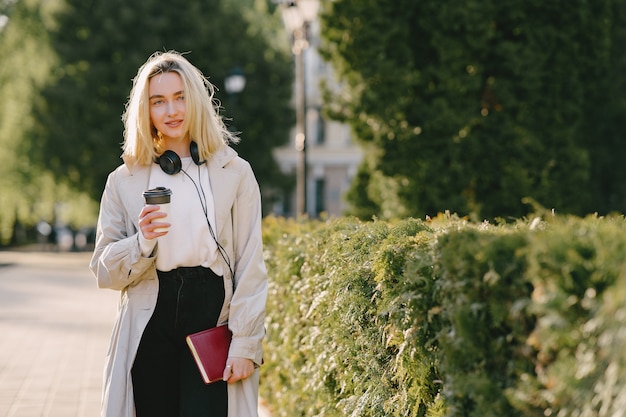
<point x="406" y="282"/>
<point x="100" y="45"/>
<point x="337" y="343"/>
<point x="471" y="106"/>
<point x="578" y="273"/>
<point x="362" y="205"/>
<point x="446" y="317"/>
<point x="483" y="305"/>
<point x="603" y="127"/>
<point x="28" y="194"/>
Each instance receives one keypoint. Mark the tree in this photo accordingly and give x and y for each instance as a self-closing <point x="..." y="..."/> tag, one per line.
<point x="100" y="45"/>
<point x="603" y="126"/>
<point x="472" y="106"/>
<point x="28" y="194"/>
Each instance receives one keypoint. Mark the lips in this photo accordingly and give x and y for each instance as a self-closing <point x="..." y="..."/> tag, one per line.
<point x="174" y="123"/>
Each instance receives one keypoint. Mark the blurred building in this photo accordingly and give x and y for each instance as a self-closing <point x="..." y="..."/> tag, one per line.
<point x="332" y="157"/>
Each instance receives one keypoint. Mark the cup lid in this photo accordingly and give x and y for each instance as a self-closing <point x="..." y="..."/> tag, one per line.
<point x="157" y="192"/>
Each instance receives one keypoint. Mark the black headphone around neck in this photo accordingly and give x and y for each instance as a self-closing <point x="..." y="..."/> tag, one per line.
<point x="170" y="162"/>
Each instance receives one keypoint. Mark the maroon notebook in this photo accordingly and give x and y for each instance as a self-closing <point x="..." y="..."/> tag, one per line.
<point x="210" y="350"/>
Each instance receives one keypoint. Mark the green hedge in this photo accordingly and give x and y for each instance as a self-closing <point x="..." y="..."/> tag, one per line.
<point x="445" y="317"/>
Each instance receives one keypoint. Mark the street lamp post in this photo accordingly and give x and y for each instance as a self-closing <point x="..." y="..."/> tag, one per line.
<point x="234" y="83"/>
<point x="297" y="17"/>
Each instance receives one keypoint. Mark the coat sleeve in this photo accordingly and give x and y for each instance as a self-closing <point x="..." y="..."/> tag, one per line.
<point x="116" y="261"/>
<point x="247" y="309"/>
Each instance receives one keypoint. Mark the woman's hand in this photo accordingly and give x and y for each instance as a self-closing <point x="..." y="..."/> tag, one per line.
<point x="149" y="226"/>
<point x="238" y="369"/>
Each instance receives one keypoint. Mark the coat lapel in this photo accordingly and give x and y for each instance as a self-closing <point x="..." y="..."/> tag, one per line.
<point x="133" y="187"/>
<point x="224" y="183"/>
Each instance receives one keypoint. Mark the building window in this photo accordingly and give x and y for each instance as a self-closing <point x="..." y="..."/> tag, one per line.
<point x="320" y="194"/>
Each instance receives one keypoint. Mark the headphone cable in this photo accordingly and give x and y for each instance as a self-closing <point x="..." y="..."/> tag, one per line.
<point x="220" y="248"/>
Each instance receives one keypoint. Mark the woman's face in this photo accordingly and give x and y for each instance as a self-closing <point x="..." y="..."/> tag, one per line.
<point x="167" y="105"/>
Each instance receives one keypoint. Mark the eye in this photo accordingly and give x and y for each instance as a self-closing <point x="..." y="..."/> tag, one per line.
<point x="156" y="102"/>
<point x="181" y="97"/>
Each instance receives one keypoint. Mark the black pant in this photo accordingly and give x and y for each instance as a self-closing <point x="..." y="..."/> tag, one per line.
<point x="166" y="381"/>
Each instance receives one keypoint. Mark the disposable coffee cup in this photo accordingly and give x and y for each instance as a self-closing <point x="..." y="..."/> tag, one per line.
<point x="161" y="197"/>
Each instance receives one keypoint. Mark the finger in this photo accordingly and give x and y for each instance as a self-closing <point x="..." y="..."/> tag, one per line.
<point x="152" y="214"/>
<point x="148" y="222"/>
<point x="148" y="209"/>
<point x="151" y="230"/>
<point x="154" y="230"/>
<point x="228" y="372"/>
<point x="158" y="227"/>
<point x="238" y="376"/>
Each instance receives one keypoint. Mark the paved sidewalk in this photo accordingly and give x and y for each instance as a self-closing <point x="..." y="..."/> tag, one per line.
<point x="54" y="332"/>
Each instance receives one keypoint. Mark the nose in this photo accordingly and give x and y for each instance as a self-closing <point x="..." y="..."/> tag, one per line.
<point x="171" y="108"/>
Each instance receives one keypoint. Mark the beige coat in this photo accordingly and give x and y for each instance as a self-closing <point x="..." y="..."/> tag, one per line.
<point x="117" y="264"/>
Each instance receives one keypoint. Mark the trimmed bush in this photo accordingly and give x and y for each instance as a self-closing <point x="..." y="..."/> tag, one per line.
<point x="445" y="318"/>
<point x="578" y="274"/>
<point x="483" y="301"/>
<point x="346" y="335"/>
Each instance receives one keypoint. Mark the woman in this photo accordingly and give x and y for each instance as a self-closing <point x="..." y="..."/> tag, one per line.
<point x="201" y="267"/>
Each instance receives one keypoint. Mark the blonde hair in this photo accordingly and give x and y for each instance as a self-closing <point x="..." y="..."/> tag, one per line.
<point x="202" y="120"/>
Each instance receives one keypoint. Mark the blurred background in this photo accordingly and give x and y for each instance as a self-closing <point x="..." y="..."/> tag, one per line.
<point x="373" y="108"/>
